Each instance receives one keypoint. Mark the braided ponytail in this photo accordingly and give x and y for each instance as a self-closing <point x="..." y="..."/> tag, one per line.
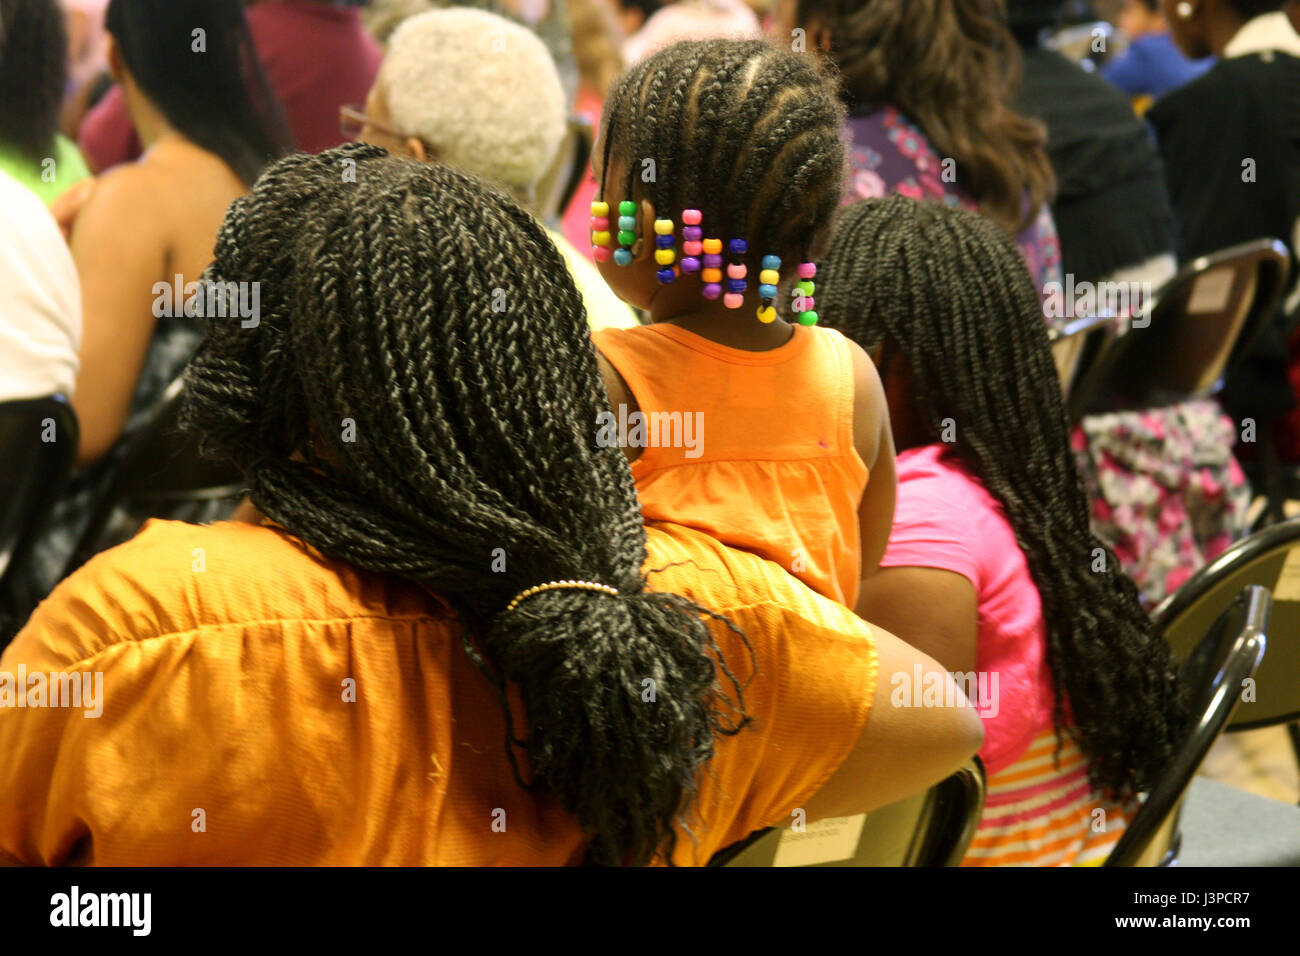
<point x="420" y="398"/>
<point x="948" y="290"/>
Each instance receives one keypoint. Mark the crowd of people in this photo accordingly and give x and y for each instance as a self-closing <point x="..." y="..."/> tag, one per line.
<point x="608" y="524"/>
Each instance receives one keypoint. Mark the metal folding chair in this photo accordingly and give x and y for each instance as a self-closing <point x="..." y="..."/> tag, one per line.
<point x="1216" y="669"/>
<point x="933" y="828"/>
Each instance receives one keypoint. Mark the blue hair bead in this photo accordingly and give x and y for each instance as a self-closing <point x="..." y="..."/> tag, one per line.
<point x="627" y="223"/>
<point x="772" y="262"/>
<point x="622" y="257"/>
<point x="735" y="285"/>
<point x="663" y="242"/>
<point x="667" y="275"/>
<point x="767" y="292"/>
<point x="738" y="247"/>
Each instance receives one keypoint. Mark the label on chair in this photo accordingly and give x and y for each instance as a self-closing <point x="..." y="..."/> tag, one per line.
<point x="1212" y="292"/>
<point x="826" y="841"/>
<point x="1288" y="579"/>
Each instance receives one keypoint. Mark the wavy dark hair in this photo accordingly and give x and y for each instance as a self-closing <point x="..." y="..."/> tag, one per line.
<point x="744" y="132"/>
<point x="952" y="67"/>
<point x="475" y="430"/>
<point x="949" y="292"/>
<point x="33" y="71"/>
<point x="219" y="98"/>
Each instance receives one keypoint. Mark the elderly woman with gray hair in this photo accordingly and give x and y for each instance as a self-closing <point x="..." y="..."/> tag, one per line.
<point x="479" y="92"/>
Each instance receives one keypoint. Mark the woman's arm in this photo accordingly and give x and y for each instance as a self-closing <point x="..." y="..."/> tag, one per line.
<point x="901" y="750"/>
<point x="118" y="247"/>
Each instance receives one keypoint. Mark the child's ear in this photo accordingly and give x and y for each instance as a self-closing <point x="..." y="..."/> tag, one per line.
<point x="645" y="230"/>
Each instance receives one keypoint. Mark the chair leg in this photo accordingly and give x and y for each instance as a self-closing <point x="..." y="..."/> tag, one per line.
<point x="1294" y="730"/>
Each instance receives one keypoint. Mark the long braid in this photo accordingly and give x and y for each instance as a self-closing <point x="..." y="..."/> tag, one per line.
<point x="949" y="290"/>
<point x="420" y="396"/>
<point x="730" y="125"/>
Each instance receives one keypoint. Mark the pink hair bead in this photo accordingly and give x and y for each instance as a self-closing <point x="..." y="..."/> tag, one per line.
<point x="601" y="253"/>
<point x="692" y="248"/>
<point x="736" y="270"/>
<point x="600" y="223"/>
<point x="711" y="290"/>
<point x="809" y="303"/>
<point x="733" y="300"/>
<point x="691" y="217"/>
<point x="807" y="270"/>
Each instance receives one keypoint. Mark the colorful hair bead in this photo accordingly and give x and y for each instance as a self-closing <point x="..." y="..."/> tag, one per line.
<point x="600" y="237"/>
<point x="769" y="279"/>
<point x="626" y="232"/>
<point x="736" y="272"/>
<point x="804" y="289"/>
<point x="665" y="255"/>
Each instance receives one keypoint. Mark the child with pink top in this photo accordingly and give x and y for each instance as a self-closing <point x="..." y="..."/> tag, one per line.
<point x="991" y="566"/>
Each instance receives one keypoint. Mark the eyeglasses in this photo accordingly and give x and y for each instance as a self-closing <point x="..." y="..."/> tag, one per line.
<point x="353" y="119"/>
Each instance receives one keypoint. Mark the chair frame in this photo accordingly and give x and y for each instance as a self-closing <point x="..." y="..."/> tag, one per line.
<point x="1266" y="254"/>
<point x="1241" y="659"/>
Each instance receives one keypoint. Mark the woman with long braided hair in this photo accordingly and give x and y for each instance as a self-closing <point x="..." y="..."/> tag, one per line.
<point x="992" y="567"/>
<point x="454" y="641"/>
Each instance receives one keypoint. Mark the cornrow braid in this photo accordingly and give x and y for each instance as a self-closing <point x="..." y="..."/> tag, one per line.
<point x="419" y="397"/>
<point x="948" y="290"/>
<point x="730" y="126"/>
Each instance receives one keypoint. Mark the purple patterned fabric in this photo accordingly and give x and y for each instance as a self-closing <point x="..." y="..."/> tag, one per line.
<point x="890" y="154"/>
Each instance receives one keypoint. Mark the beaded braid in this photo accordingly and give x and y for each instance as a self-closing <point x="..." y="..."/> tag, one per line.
<point x="746" y="133"/>
<point x="949" y="291"/>
<point x="474" y="430"/>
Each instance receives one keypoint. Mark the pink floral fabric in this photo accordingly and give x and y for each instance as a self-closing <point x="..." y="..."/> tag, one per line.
<point x="1167" y="494"/>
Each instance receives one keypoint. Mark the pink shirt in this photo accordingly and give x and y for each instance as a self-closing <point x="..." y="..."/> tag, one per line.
<point x="945" y="519"/>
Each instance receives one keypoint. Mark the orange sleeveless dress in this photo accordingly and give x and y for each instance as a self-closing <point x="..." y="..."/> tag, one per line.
<point x="753" y="448"/>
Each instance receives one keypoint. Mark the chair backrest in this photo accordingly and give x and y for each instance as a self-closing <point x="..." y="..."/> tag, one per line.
<point x="933" y="828"/>
<point x="1271" y="559"/>
<point x="1183" y="342"/>
<point x="38" y="448"/>
<point x="1223" y="660"/>
<point x="157" y="465"/>
<point x="562" y="180"/>
<point x="1076" y="348"/>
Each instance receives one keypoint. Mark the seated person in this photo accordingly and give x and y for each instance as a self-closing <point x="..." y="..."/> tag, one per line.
<point x="1153" y="65"/>
<point x="457" y="596"/>
<point x="480" y="92"/>
<point x="1167" y="494"/>
<point x="317" y="57"/>
<point x="991" y="566"/>
<point x="40" y="302"/>
<point x="33" y="70"/>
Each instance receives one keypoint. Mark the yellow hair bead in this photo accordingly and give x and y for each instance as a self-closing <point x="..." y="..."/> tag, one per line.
<point x="599" y="209"/>
<point x="769" y="277"/>
<point x="664" y="227"/>
<point x="665" y="257"/>
<point x="600" y="238"/>
<point x="710" y="275"/>
<point x="767" y="314"/>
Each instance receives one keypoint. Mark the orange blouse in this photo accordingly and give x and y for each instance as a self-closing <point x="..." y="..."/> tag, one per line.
<point x="262" y="704"/>
<point x="764" y="459"/>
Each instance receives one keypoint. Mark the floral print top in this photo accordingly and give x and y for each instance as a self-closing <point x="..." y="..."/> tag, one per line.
<point x="890" y="154"/>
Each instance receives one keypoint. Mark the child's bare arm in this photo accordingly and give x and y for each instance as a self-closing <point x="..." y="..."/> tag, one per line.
<point x="875" y="444"/>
